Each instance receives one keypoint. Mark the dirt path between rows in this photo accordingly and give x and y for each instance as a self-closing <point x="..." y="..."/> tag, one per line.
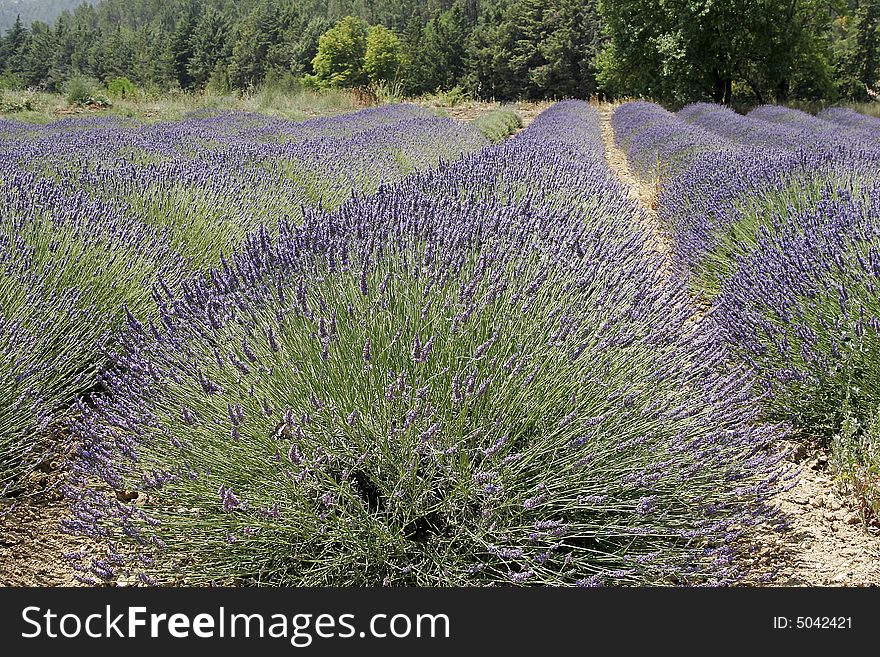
<point x="469" y="111"/>
<point x="32" y="543"/>
<point x="827" y="544"/>
<point x="644" y="192"/>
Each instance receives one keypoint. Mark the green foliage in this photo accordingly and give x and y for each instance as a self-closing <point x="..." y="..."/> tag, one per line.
<point x="182" y="47"/>
<point x="341" y="51"/>
<point x="255" y="49"/>
<point x="498" y="124"/>
<point x="857" y="455"/>
<point x="121" y="87"/>
<point x="384" y="58"/>
<point x="438" y="51"/>
<point x="210" y="47"/>
<point x="451" y="97"/>
<point x="682" y="50"/>
<point x="539" y="49"/>
<point x="9" y="81"/>
<point x="856" y="51"/>
<point x="676" y="51"/>
<point x="17" y="102"/>
<point x="83" y="91"/>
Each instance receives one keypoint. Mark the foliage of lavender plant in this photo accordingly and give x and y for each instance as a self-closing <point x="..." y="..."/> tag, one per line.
<point x="747" y="130"/>
<point x="716" y="207"/>
<point x="96" y="212"/>
<point x="782" y="235"/>
<point x="715" y="203"/>
<point x="657" y="142"/>
<point x="465" y="379"/>
<point x="851" y="118"/>
<point x="807" y="122"/>
<point x="70" y="263"/>
<point x="802" y="309"/>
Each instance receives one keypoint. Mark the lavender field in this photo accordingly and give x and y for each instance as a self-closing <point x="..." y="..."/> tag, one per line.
<point x="377" y="349"/>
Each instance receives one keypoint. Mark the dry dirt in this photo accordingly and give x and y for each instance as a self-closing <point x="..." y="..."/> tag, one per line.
<point x="31" y="540"/>
<point x="826" y="543"/>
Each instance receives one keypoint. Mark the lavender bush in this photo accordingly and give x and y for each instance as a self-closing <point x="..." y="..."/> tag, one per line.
<point x="851" y="118"/>
<point x="802" y="309"/>
<point x="462" y="380"/>
<point x="780" y="235"/>
<point x="734" y="172"/>
<point x="776" y="114"/>
<point x="657" y="142"/>
<point x="69" y="264"/>
<point x="96" y="212"/>
<point x="498" y="124"/>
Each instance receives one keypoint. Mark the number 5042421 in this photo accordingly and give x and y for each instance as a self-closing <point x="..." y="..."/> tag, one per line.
<point x="813" y="622"/>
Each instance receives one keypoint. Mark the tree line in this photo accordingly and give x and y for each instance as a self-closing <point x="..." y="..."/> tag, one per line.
<point x="674" y="51"/>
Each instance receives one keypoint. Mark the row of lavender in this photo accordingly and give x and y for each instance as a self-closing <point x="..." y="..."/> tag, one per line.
<point x="476" y="376"/>
<point x="95" y="213"/>
<point x="779" y="228"/>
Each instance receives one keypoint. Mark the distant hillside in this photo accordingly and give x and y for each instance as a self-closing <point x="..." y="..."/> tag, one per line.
<point x="32" y="10"/>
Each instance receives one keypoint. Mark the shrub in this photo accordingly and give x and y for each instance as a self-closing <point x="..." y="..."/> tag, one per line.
<point x="801" y="308"/>
<point x="80" y="243"/>
<point x="23" y="102"/>
<point x="121" y="87"/>
<point x="82" y="91"/>
<point x="498" y="124"/>
<point x="9" y="81"/>
<point x="779" y="233"/>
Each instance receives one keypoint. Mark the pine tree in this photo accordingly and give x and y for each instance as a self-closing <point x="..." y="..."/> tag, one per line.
<point x="16" y="46"/>
<point x="444" y="50"/>
<point x="210" y="45"/>
<point x="258" y="32"/>
<point x="40" y="52"/>
<point x="182" y="46"/>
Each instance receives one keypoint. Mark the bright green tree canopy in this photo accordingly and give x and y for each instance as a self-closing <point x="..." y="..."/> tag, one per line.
<point x="341" y="53"/>
<point x="384" y="58"/>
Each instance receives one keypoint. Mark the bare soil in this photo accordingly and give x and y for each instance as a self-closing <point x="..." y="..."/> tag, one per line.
<point x="828" y="543"/>
<point x="32" y="543"/>
<point x="469" y="111"/>
<point x="645" y="192"/>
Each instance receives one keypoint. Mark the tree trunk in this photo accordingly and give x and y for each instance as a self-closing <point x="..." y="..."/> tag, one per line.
<point x="722" y="88"/>
<point x="717" y="87"/>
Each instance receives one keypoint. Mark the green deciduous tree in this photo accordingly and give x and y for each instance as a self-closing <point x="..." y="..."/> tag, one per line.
<point x="856" y="48"/>
<point x="384" y="57"/>
<point x="681" y="50"/>
<point x="339" y="61"/>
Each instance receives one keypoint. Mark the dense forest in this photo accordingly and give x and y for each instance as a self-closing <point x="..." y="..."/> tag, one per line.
<point x="676" y="51"/>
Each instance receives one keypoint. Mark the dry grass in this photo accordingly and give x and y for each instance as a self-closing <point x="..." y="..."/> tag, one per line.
<point x="292" y="105"/>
